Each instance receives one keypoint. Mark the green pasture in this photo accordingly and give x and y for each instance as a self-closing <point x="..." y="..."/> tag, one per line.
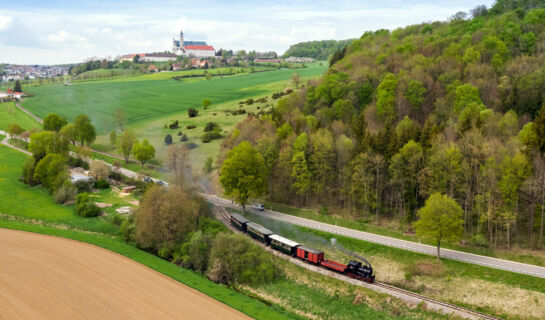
<point x="9" y="113"/>
<point x="150" y="99"/>
<point x="35" y="203"/>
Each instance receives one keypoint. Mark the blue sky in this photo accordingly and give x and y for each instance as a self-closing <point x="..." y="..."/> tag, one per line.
<point x="51" y="32"/>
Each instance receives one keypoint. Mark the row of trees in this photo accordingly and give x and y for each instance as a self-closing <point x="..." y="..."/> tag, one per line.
<point x="434" y="108"/>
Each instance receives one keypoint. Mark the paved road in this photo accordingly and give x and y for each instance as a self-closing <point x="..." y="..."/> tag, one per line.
<point x="7" y="144"/>
<point x="391" y="242"/>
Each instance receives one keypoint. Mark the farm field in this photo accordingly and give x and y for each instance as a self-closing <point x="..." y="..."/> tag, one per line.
<point x="498" y="292"/>
<point x="146" y="100"/>
<point x="151" y="101"/>
<point x="101" y="284"/>
<point x="10" y="114"/>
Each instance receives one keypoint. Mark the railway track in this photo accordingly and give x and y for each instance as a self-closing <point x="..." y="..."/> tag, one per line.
<point x="376" y="286"/>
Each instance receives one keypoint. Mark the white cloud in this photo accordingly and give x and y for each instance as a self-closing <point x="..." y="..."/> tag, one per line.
<point x="5" y="21"/>
<point x="62" y="36"/>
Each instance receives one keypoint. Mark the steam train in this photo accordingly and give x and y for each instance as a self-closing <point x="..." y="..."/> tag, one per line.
<point x="353" y="269"/>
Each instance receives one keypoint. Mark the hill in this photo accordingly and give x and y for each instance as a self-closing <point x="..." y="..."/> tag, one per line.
<point x="319" y="50"/>
<point x="445" y="107"/>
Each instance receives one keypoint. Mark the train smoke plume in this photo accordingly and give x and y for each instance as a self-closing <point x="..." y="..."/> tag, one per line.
<point x="351" y="253"/>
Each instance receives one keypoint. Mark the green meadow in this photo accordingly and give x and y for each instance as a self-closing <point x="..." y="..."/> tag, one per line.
<point x="150" y="99"/>
<point x="10" y="114"/>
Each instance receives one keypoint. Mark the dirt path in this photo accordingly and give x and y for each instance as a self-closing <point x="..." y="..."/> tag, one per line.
<point x="45" y="277"/>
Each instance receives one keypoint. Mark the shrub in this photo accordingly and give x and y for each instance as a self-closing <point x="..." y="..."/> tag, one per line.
<point x="83" y="186"/>
<point x="249" y="101"/>
<point x="174" y="125"/>
<point x="168" y="139"/>
<point x="179" y="133"/>
<point x="28" y="172"/>
<point x="67" y="192"/>
<point x="191" y="126"/>
<point x="102" y="184"/>
<point x="209" y="136"/>
<point x="235" y="259"/>
<point x="192" y="112"/>
<point x="77" y="162"/>
<point x="84" y="206"/>
<point x="191" y="145"/>
<point x="183" y="138"/>
<point x="208" y="164"/>
<point x="211" y="126"/>
<point x="99" y="169"/>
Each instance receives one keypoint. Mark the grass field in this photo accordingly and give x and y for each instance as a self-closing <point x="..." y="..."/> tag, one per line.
<point x="496" y="291"/>
<point x="11" y="114"/>
<point x="35" y="203"/>
<point x="150" y="99"/>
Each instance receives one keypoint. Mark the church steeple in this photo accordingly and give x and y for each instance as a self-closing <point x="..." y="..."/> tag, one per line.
<point x="181" y="38"/>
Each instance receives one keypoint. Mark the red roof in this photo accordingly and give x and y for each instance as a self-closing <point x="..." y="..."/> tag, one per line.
<point x="198" y="47"/>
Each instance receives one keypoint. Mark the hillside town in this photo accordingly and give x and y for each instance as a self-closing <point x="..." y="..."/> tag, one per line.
<point x="13" y="72"/>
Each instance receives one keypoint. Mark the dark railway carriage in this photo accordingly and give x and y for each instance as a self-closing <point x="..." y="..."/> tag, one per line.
<point x="239" y="221"/>
<point x="310" y="255"/>
<point x="259" y="232"/>
<point x="284" y="245"/>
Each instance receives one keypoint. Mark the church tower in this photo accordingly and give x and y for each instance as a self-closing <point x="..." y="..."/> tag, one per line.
<point x="181" y="38"/>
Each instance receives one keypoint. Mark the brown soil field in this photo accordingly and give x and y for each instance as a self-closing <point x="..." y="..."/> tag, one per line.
<point x="46" y="277"/>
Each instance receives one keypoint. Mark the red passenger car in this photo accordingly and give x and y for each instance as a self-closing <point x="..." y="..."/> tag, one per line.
<point x="310" y="255"/>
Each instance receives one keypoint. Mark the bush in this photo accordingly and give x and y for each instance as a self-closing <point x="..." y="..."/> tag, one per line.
<point x="191" y="145"/>
<point x="209" y="136"/>
<point x="208" y="164"/>
<point x="174" y="125"/>
<point x="183" y="138"/>
<point x="84" y="206"/>
<point x="249" y="101"/>
<point x="67" y="192"/>
<point x="83" y="186"/>
<point x="192" y="112"/>
<point x="179" y="133"/>
<point x="235" y="259"/>
<point x="77" y="162"/>
<point x="102" y="184"/>
<point x="168" y="139"/>
<point x="28" y="172"/>
<point x="191" y="126"/>
<point x="100" y="170"/>
<point x="211" y="126"/>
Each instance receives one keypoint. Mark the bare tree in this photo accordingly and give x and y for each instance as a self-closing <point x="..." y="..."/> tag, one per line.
<point x="176" y="161"/>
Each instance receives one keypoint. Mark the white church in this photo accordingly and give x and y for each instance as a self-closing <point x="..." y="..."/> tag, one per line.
<point x="198" y="49"/>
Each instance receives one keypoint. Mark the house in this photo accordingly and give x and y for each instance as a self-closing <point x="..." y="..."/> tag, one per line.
<point x="158" y="57"/>
<point x="130" y="57"/>
<point x="176" y="66"/>
<point x="77" y="177"/>
<point x="153" y="68"/>
<point x="196" y="63"/>
<point x="10" y="94"/>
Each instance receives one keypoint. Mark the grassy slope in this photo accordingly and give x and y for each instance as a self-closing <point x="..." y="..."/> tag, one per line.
<point x="459" y="282"/>
<point x="21" y="200"/>
<point x="11" y="114"/>
<point x="524" y="257"/>
<point x="147" y="100"/>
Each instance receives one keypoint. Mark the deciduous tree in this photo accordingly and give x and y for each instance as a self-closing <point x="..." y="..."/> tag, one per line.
<point x="440" y="219"/>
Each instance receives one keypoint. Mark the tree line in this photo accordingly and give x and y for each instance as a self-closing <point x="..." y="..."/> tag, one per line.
<point x="451" y="108"/>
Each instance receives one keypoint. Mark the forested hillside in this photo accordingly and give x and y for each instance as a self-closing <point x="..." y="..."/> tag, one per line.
<point x="319" y="50"/>
<point x="450" y="107"/>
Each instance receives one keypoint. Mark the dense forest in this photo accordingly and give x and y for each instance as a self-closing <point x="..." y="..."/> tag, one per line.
<point x="319" y="50"/>
<point x="452" y="107"/>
